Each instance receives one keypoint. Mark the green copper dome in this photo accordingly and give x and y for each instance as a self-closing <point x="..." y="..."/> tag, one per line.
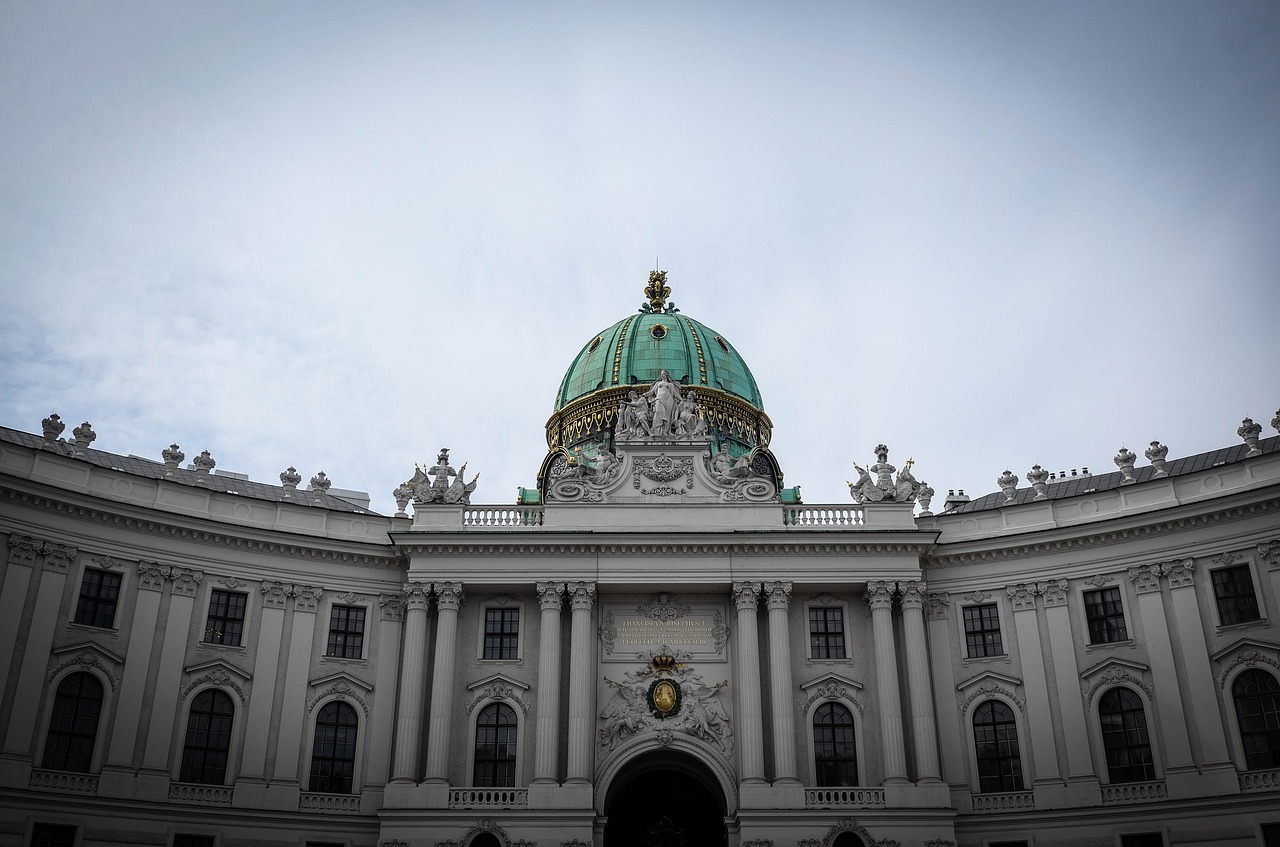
<point x="635" y="349"/>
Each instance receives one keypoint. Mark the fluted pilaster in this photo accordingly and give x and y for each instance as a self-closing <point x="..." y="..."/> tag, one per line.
<point x="746" y="597"/>
<point x="417" y="595"/>
<point x="550" y="599"/>
<point x="879" y="597"/>
<point x="777" y="600"/>
<point x="923" y="725"/>
<point x="582" y="685"/>
<point x="448" y="600"/>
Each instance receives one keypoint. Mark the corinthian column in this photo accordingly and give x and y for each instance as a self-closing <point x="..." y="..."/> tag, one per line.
<point x="746" y="596"/>
<point x="778" y="598"/>
<point x="880" y="598"/>
<point x="582" y="685"/>
<point x="409" y="710"/>
<point x="923" y="726"/>
<point x="550" y="598"/>
<point x="448" y="600"/>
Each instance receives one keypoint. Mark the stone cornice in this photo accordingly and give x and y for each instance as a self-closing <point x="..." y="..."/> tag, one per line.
<point x="549" y="544"/>
<point x="274" y="541"/>
<point x="1097" y="535"/>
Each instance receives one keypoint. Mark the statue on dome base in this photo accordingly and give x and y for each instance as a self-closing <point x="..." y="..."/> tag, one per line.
<point x="884" y="487"/>
<point x="425" y="489"/>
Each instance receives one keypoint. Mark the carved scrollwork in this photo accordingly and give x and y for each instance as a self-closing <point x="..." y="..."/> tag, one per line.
<point x="986" y="690"/>
<point x="343" y="691"/>
<point x="1112" y="677"/>
<point x="498" y="690"/>
<point x="219" y="679"/>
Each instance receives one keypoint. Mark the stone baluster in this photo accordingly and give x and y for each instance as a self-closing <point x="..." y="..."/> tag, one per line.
<point x="923" y="724"/>
<point x="448" y="601"/>
<point x="746" y="596"/>
<point x="547" y="747"/>
<point x="582" y="683"/>
<point x="879" y="597"/>
<point x="417" y="595"/>
<point x="777" y="599"/>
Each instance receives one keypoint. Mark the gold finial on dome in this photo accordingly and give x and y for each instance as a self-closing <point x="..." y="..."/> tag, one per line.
<point x="657" y="290"/>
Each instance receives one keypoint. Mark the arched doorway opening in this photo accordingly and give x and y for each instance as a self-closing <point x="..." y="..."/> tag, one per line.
<point x="665" y="799"/>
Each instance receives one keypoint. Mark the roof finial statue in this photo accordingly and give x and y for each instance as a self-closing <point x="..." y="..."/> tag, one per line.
<point x="657" y="291"/>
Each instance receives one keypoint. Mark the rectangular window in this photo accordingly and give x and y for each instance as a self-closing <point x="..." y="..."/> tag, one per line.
<point x="1233" y="588"/>
<point x="182" y="840"/>
<point x="1271" y="835"/>
<point x="826" y="633"/>
<point x="346" y="632"/>
<point x="1142" y="839"/>
<point x="982" y="631"/>
<point x="226" y="618"/>
<point x="501" y="633"/>
<point x="52" y="835"/>
<point x="1105" y="613"/>
<point x="99" y="592"/>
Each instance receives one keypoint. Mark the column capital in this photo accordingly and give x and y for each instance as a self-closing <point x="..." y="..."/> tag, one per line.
<point x="151" y="576"/>
<point x="1269" y="554"/>
<point x="1179" y="572"/>
<point x="1023" y="596"/>
<point x="912" y="593"/>
<point x="550" y="596"/>
<point x="1145" y="578"/>
<point x="582" y="595"/>
<point x="392" y="607"/>
<point x="449" y="595"/>
<point x="416" y="595"/>
<point x="746" y="595"/>
<point x="58" y="557"/>
<point x="305" y="597"/>
<point x="936" y="605"/>
<point x="880" y="594"/>
<point x="777" y="594"/>
<point x="273" y="594"/>
<point x="1055" y="592"/>
<point x="23" y="549"/>
<point x="185" y="580"/>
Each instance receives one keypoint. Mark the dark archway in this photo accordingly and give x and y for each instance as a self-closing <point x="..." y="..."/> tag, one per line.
<point x="665" y="799"/>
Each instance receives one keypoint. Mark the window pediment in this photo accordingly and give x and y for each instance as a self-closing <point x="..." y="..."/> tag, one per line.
<point x="987" y="684"/>
<point x="86" y="654"/>
<point x="1113" y="672"/>
<point x="1244" y="653"/>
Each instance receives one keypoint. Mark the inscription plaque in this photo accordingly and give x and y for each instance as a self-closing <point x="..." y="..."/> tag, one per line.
<point x="633" y="631"/>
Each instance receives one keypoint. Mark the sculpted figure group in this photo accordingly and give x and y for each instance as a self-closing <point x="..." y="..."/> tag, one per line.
<point x="884" y="487"/>
<point x="660" y="412"/>
<point x="435" y="485"/>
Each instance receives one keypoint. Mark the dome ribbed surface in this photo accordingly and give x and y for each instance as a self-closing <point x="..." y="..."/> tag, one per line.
<point x="631" y="352"/>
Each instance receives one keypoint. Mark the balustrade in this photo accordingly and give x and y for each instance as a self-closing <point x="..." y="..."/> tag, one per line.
<point x="844" y="798"/>
<point x="313" y="802"/>
<point x="217" y="795"/>
<point x="1005" y="801"/>
<point x="488" y="798"/>
<point x="1134" y="792"/>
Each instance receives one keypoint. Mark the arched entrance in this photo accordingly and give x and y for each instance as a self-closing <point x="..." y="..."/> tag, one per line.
<point x="665" y="799"/>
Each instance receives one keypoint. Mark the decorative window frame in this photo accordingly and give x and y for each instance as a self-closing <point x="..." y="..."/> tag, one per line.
<point x="828" y="601"/>
<point x="231" y="681"/>
<point x="339" y="688"/>
<point x="106" y="564"/>
<point x="501" y="601"/>
<point x="325" y="615"/>
<point x="172" y="833"/>
<point x="1101" y="583"/>
<point x="1244" y="655"/>
<point x="994" y="686"/>
<point x="498" y="688"/>
<point x="54" y="820"/>
<point x="1233" y="559"/>
<point x="1120" y="673"/>
<point x="983" y="598"/>
<point x="200" y="613"/>
<point x="106" y="717"/>
<point x="834" y="688"/>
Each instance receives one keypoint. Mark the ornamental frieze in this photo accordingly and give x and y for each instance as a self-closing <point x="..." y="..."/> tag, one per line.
<point x="664" y="697"/>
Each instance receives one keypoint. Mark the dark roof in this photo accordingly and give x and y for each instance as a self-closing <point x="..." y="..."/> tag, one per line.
<point x="224" y="483"/>
<point x="1075" y="485"/>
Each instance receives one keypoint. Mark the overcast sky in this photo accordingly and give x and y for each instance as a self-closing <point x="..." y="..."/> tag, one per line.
<point x="342" y="235"/>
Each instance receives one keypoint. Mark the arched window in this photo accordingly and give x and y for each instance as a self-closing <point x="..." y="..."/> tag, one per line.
<point x="73" y="727"/>
<point x="204" y="757"/>
<point x="333" y="758"/>
<point x="1124" y="737"/>
<point x="848" y="839"/>
<point x="995" y="738"/>
<point x="1257" y="696"/>
<point x="486" y="839"/>
<point x="495" y="764"/>
<point x="835" y="755"/>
